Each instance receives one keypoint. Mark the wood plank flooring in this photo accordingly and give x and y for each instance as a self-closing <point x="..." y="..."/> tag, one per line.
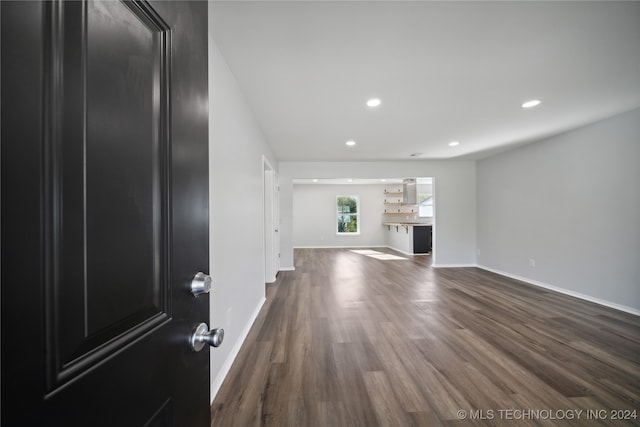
<point x="349" y="340"/>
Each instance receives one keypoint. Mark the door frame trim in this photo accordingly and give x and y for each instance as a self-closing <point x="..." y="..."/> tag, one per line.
<point x="268" y="238"/>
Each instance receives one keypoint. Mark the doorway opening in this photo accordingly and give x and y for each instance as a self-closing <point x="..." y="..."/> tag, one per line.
<point x="271" y="222"/>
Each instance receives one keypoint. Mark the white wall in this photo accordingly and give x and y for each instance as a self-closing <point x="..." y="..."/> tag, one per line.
<point x="455" y="195"/>
<point x="236" y="146"/>
<point x="572" y="203"/>
<point x="314" y="215"/>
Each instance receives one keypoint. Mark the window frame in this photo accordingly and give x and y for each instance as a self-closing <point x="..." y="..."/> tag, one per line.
<point x="356" y="214"/>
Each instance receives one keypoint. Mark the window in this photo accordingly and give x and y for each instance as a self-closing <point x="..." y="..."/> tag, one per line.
<point x="347" y="215"/>
<point x="425" y="208"/>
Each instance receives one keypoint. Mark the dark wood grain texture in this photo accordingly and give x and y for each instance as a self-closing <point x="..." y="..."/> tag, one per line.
<point x="349" y="340"/>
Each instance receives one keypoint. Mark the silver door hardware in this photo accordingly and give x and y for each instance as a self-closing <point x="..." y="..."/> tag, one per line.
<point x="203" y="336"/>
<point x="201" y="284"/>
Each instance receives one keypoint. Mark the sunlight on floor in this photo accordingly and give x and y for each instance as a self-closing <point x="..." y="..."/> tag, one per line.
<point x="376" y="254"/>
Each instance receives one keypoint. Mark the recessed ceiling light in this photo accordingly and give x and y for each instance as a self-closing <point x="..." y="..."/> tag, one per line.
<point x="350" y="180"/>
<point x="453" y="143"/>
<point x="531" y="104"/>
<point x="383" y="180"/>
<point x="350" y="143"/>
<point x="373" y="102"/>
<point x="315" y="180"/>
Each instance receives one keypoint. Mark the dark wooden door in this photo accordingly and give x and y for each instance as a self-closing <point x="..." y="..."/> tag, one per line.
<point x="104" y="213"/>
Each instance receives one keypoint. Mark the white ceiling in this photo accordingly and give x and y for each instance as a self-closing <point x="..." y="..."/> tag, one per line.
<point x="444" y="71"/>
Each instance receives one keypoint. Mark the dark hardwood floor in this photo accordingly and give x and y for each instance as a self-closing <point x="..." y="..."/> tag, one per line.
<point x="349" y="340"/>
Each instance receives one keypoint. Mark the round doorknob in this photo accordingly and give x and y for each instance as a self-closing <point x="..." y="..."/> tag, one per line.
<point x="201" y="284"/>
<point x="203" y="336"/>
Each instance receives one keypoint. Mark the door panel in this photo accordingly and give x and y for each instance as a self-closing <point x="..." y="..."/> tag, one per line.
<point x="126" y="116"/>
<point x="108" y="168"/>
<point x="104" y="134"/>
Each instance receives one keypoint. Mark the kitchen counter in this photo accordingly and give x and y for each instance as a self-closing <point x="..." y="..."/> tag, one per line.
<point x="408" y="224"/>
<point x="412" y="239"/>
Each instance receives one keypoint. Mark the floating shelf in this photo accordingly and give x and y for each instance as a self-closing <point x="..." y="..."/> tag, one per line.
<point x="395" y="206"/>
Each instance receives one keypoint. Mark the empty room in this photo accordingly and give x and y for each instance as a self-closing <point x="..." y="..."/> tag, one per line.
<point x="525" y="309"/>
<point x="320" y="213"/>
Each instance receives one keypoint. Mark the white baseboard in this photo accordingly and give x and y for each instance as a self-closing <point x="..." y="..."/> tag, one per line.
<point x="287" y="269"/>
<point x="226" y="366"/>
<point x="358" y="247"/>
<point x="585" y="297"/>
<point x="453" y="265"/>
<point x="339" y="247"/>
